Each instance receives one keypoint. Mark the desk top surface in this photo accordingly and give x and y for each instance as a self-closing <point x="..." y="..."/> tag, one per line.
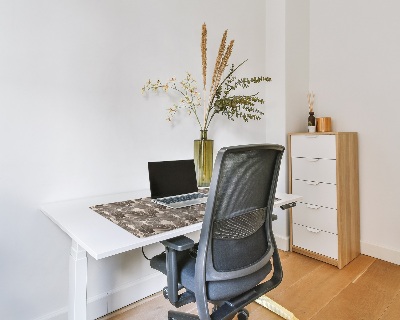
<point x="102" y="238"/>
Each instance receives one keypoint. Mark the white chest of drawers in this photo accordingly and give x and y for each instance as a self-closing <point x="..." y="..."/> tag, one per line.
<point x="323" y="168"/>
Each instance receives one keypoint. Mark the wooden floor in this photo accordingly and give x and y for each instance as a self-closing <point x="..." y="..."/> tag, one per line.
<point x="367" y="289"/>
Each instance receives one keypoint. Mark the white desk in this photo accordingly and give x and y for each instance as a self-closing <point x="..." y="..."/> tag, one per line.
<point x="91" y="233"/>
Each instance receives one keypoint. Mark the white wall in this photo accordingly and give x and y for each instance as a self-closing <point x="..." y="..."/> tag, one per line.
<point x="287" y="57"/>
<point x="297" y="47"/>
<point x="74" y="124"/>
<point x="347" y="52"/>
<point x="355" y="74"/>
<point x="275" y="65"/>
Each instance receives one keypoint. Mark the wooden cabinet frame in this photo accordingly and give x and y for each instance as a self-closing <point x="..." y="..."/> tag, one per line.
<point x="348" y="202"/>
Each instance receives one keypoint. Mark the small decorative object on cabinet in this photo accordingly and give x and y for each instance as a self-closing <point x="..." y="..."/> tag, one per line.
<point x="324" y="124"/>
<point x="323" y="168"/>
<point x="311" y="118"/>
<point x="311" y="122"/>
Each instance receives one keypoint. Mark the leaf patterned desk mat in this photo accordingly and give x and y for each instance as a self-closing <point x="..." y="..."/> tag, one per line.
<point x="144" y="218"/>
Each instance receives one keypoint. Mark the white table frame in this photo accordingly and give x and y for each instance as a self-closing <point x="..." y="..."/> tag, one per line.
<point x="87" y="230"/>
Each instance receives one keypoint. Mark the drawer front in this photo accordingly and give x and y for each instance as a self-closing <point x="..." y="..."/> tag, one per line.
<point x="316" y="241"/>
<point x="315" y="217"/>
<point x="317" y="193"/>
<point x="311" y="169"/>
<point x="313" y="146"/>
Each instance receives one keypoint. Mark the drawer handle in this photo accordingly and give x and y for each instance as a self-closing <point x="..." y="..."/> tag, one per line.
<point x="312" y="206"/>
<point x="312" y="159"/>
<point x="311" y="136"/>
<point x="312" y="183"/>
<point x="313" y="230"/>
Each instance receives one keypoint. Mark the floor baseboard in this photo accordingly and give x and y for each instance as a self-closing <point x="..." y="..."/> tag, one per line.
<point x="382" y="253"/>
<point x="282" y="242"/>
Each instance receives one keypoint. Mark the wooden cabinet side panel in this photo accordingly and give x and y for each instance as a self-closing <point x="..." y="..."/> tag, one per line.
<point x="348" y="197"/>
<point x="290" y="191"/>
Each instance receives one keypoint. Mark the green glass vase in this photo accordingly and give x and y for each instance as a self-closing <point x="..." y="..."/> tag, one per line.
<point x="203" y="159"/>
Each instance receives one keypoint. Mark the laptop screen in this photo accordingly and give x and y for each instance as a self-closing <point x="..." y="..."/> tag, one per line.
<point x="170" y="178"/>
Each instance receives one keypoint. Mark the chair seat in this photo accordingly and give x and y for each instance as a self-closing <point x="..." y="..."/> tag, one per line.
<point x="216" y="290"/>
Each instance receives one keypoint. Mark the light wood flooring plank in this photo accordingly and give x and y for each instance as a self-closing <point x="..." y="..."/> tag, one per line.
<point x="308" y="295"/>
<point x="295" y="267"/>
<point x="381" y="276"/>
<point x="393" y="311"/>
<point x="154" y="308"/>
<point x="364" y="304"/>
<point x="370" y="295"/>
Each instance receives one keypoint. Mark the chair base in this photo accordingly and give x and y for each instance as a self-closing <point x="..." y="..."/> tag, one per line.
<point x="243" y="314"/>
<point x="176" y="315"/>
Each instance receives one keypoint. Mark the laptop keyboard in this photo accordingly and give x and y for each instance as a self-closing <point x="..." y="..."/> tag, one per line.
<point x="182" y="200"/>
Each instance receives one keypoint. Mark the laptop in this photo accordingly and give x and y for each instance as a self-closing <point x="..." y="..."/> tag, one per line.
<point x="173" y="184"/>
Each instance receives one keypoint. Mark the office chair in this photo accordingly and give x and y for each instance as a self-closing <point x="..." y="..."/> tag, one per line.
<point x="233" y="257"/>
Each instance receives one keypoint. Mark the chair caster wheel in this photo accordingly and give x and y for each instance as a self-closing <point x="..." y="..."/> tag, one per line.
<point x="165" y="293"/>
<point x="243" y="314"/>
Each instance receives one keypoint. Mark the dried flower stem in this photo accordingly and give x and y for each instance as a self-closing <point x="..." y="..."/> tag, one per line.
<point x="204" y="65"/>
<point x="310" y="98"/>
<point x="218" y="62"/>
<point x="221" y="68"/>
<point x="218" y="72"/>
<point x="204" y="54"/>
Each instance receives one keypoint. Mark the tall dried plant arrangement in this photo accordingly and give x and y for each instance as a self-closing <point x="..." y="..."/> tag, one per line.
<point x="220" y="99"/>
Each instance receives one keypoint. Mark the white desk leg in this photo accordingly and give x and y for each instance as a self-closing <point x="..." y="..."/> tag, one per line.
<point x="77" y="283"/>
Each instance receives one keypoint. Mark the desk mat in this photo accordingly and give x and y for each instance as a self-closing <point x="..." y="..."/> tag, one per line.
<point x="144" y="218"/>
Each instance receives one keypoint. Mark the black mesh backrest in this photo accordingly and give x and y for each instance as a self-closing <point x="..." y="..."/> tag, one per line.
<point x="235" y="239"/>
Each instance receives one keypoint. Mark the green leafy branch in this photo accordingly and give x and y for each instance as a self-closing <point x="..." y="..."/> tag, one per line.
<point x="235" y="106"/>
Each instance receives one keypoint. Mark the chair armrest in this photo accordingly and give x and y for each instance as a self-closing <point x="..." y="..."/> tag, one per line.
<point x="180" y="243"/>
<point x="288" y="205"/>
<point x="172" y="246"/>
